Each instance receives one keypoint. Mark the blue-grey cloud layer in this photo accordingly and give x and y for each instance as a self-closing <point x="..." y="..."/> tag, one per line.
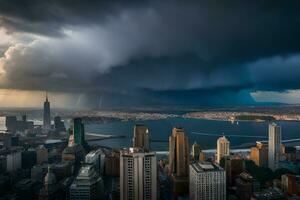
<point x="127" y="49"/>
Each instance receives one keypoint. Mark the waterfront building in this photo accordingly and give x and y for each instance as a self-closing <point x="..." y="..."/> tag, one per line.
<point x="195" y="151"/>
<point x="246" y="185"/>
<point x="138" y="175"/>
<point x="141" y="137"/>
<point x="223" y="148"/>
<point x="96" y="158"/>
<point x="274" y="146"/>
<point x="79" y="134"/>
<point x="207" y="182"/>
<point x="259" y="154"/>
<point x="88" y="185"/>
<point x="47" y="117"/>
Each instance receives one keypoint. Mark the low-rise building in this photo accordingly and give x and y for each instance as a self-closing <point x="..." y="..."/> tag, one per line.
<point x="246" y="185"/>
<point x="268" y="194"/>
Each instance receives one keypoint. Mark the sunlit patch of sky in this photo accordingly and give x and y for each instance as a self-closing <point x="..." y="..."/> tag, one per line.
<point x="289" y="96"/>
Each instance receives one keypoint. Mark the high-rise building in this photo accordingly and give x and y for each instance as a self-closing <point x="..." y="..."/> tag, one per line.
<point x="88" y="185"/>
<point x="223" y="148"/>
<point x="259" y="154"/>
<point x="196" y="151"/>
<point x="138" y="175"/>
<point x="112" y="164"/>
<point x="178" y="153"/>
<point x="207" y="182"/>
<point x="274" y="146"/>
<point x="79" y="135"/>
<point x="179" y="162"/>
<point x="141" y="137"/>
<point x="96" y="158"/>
<point x="47" y="118"/>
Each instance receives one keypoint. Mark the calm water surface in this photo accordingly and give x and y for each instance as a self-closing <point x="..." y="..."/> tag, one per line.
<point x="161" y="130"/>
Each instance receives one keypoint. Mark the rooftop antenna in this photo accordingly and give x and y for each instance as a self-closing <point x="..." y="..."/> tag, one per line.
<point x="47" y="96"/>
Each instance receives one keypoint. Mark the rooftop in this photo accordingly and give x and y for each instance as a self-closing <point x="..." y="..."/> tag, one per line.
<point x="206" y="166"/>
<point x="94" y="153"/>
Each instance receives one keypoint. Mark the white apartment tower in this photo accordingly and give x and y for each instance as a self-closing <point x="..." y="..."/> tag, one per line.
<point x="138" y="175"/>
<point x="223" y="148"/>
<point x="207" y="182"/>
<point x="274" y="146"/>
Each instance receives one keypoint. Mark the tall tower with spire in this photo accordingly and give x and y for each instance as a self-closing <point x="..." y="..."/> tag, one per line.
<point x="46" y="119"/>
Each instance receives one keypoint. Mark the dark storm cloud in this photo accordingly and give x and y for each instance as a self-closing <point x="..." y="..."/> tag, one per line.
<point x="127" y="47"/>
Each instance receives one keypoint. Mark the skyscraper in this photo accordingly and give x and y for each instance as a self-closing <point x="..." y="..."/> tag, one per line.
<point x="141" y="137"/>
<point x="179" y="161"/>
<point x="274" y="146"/>
<point x="178" y="152"/>
<point x="223" y="148"/>
<point x="79" y="137"/>
<point x="207" y="182"/>
<point x="47" y="119"/>
<point x="196" y="151"/>
<point x="259" y="154"/>
<point x="138" y="175"/>
<point x="88" y="185"/>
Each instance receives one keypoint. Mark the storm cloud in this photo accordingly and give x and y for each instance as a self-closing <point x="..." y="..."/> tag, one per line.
<point x="150" y="49"/>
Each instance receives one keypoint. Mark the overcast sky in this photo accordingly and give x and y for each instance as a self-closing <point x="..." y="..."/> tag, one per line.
<point x="116" y="53"/>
